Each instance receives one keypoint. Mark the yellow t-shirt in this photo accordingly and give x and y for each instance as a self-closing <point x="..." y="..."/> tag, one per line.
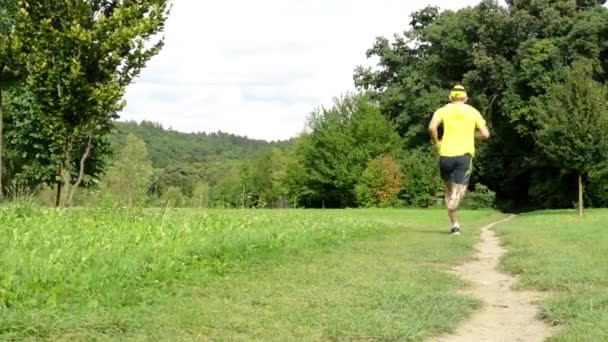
<point x="459" y="123"/>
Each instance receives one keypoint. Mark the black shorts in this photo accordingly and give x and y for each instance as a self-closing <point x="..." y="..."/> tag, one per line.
<point x="456" y="170"/>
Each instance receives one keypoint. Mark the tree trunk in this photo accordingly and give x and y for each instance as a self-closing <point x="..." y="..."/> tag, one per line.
<point x="83" y="160"/>
<point x="580" y="195"/>
<point x="58" y="196"/>
<point x="1" y="147"/>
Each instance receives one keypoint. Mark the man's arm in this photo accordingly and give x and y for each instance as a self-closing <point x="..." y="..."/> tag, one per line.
<point x="433" y="128"/>
<point x="482" y="132"/>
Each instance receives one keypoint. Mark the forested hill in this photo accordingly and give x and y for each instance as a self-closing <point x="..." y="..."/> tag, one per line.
<point x="167" y="146"/>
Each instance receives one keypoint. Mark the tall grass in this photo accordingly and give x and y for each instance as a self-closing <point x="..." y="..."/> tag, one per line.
<point x="51" y="258"/>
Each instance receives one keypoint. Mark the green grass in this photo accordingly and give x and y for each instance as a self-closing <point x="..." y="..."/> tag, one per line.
<point x="265" y="275"/>
<point x="559" y="252"/>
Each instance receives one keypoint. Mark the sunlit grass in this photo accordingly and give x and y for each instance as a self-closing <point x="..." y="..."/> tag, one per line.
<point x="559" y="252"/>
<point x="90" y="274"/>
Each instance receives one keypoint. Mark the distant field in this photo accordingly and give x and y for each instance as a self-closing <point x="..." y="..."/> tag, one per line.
<point x="559" y="252"/>
<point x="265" y="275"/>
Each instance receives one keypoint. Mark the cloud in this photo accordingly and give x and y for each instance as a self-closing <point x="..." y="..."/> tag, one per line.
<point x="259" y="68"/>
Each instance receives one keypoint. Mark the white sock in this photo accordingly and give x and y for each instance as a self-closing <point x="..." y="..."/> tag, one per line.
<point x="456" y="225"/>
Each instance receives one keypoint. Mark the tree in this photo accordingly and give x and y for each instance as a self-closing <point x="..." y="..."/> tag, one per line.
<point x="380" y="183"/>
<point x="338" y="148"/>
<point x="263" y="179"/>
<point x="228" y="191"/>
<point x="9" y="69"/>
<point x="80" y="56"/>
<point x="129" y="178"/>
<point x="574" y="124"/>
<point x="295" y="178"/>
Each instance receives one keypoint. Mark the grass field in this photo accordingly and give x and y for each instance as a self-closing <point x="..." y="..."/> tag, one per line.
<point x="559" y="252"/>
<point x="241" y="275"/>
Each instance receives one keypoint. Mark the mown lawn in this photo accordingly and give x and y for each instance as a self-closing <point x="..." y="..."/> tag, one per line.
<point x="230" y="274"/>
<point x="559" y="252"/>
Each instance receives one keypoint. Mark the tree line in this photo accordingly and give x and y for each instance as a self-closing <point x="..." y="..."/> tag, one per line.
<point x="350" y="156"/>
<point x="535" y="69"/>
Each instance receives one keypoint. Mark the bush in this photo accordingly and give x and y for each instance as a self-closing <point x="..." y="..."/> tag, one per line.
<point x="174" y="197"/>
<point x="481" y="198"/>
<point x="380" y="183"/>
<point x="422" y="182"/>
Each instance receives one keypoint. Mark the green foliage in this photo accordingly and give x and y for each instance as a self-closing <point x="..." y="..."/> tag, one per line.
<point x="200" y="195"/>
<point x="229" y="191"/>
<point x="128" y="179"/>
<point x="9" y="66"/>
<point x="263" y="179"/>
<point x="338" y="148"/>
<point x="380" y="183"/>
<point x="597" y="186"/>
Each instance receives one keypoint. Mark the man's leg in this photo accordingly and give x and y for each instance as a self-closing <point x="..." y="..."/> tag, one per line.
<point x="448" y="203"/>
<point x="457" y="192"/>
<point x="453" y="195"/>
<point x="458" y="188"/>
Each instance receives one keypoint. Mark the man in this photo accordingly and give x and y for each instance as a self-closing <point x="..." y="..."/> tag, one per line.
<point x="461" y="125"/>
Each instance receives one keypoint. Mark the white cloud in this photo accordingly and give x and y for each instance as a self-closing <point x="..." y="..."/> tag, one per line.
<point x="257" y="68"/>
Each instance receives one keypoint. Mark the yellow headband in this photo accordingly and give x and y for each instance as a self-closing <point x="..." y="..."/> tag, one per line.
<point x="458" y="92"/>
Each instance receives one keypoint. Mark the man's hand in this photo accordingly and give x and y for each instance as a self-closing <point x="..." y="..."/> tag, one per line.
<point x="483" y="133"/>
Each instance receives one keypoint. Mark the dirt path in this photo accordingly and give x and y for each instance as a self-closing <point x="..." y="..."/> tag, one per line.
<point x="507" y="315"/>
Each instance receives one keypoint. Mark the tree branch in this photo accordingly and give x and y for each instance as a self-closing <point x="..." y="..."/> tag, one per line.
<point x="83" y="160"/>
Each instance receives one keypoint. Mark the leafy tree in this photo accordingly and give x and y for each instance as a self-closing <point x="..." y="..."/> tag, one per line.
<point x="574" y="125"/>
<point x="263" y="178"/>
<point x="128" y="180"/>
<point x="296" y="176"/>
<point x="81" y="55"/>
<point x="380" y="183"/>
<point x="179" y="174"/>
<point x="338" y="148"/>
<point x="9" y="69"/>
<point x="30" y="158"/>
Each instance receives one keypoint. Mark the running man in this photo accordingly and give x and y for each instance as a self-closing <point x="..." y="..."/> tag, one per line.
<point x="461" y="125"/>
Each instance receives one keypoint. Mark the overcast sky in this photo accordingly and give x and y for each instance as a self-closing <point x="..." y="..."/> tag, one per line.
<point x="257" y="68"/>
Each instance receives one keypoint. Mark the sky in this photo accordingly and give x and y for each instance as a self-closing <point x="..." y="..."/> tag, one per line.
<point x="258" y="68"/>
